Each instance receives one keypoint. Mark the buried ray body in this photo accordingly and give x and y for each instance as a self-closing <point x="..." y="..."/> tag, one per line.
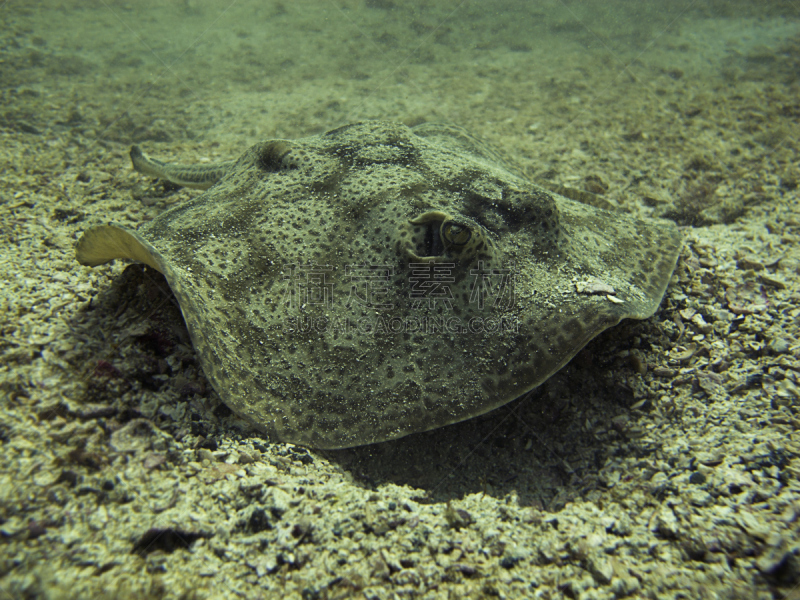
<point x="376" y="280"/>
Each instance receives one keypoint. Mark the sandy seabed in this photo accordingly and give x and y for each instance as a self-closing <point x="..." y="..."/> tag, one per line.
<point x="661" y="463"/>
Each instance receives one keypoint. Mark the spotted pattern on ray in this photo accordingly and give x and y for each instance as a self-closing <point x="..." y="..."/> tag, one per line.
<point x="377" y="280"/>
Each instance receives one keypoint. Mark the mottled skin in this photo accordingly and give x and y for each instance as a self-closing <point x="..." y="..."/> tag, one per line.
<point x="384" y="226"/>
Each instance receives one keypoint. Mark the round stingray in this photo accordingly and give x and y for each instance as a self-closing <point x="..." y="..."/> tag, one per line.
<point x="376" y="280"/>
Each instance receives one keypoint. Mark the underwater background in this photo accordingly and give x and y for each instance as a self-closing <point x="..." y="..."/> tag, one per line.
<point x="662" y="462"/>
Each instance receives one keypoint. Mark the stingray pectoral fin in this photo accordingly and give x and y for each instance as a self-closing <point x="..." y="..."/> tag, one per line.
<point x="104" y="243"/>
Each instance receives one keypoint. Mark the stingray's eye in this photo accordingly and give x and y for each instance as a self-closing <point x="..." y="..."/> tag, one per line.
<point x="455" y="234"/>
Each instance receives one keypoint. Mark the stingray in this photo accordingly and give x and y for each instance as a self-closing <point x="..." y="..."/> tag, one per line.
<point x="379" y="280"/>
